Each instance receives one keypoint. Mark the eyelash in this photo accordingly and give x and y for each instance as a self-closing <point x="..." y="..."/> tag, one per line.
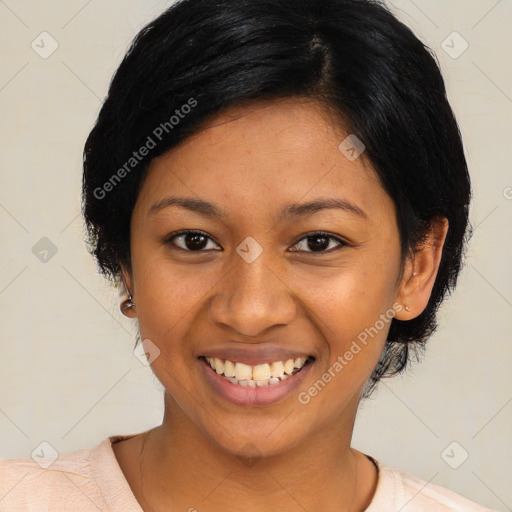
<point x="321" y="234"/>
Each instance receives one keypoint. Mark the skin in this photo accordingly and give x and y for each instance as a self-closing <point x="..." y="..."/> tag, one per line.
<point x="251" y="162"/>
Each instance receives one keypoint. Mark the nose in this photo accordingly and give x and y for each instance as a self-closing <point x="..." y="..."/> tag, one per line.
<point x="252" y="298"/>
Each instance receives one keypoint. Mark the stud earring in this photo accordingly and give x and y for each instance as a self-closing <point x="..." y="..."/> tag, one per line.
<point x="407" y="308"/>
<point x="127" y="304"/>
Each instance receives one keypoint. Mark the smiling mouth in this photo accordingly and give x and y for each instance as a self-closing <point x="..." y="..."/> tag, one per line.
<point x="260" y="375"/>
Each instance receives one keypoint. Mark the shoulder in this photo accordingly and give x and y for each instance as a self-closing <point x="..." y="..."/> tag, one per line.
<point x="412" y="494"/>
<point x="56" y="483"/>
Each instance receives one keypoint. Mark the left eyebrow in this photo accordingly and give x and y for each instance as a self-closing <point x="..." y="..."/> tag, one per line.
<point x="303" y="209"/>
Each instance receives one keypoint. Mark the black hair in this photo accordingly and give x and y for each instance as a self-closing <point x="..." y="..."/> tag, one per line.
<point x="355" y="57"/>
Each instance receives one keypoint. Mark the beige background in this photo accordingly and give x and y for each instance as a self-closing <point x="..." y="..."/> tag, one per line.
<point x="67" y="373"/>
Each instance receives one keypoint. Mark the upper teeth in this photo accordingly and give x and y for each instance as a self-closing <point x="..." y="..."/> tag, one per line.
<point x="260" y="372"/>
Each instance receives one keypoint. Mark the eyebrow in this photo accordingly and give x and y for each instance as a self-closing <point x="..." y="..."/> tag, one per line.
<point x="208" y="209"/>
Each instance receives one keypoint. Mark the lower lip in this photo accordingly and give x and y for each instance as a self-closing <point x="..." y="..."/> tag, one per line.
<point x="253" y="397"/>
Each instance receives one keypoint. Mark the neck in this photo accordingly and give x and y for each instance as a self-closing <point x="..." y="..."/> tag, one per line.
<point x="185" y="469"/>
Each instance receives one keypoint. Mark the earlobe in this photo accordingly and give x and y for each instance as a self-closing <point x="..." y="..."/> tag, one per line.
<point x="127" y="306"/>
<point x="421" y="271"/>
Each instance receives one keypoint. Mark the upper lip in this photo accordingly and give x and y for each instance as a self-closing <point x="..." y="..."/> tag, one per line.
<point x="254" y="356"/>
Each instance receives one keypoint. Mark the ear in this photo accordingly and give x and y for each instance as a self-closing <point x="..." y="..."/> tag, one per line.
<point x="420" y="272"/>
<point x="127" y="282"/>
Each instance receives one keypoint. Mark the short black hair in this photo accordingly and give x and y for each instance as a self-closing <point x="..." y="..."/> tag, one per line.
<point x="200" y="57"/>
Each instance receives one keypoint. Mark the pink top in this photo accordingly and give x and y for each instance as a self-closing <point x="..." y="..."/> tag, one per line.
<point x="91" y="480"/>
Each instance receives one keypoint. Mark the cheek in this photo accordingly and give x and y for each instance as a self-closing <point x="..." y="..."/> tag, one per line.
<point x="352" y="316"/>
<point x="352" y="309"/>
<point x="168" y="296"/>
<point x="169" y="306"/>
<point x="351" y="297"/>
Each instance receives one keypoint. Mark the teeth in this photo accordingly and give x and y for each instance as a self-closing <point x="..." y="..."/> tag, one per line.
<point x="261" y="372"/>
<point x="277" y="369"/>
<point x="243" y="371"/>
<point x="299" y="362"/>
<point x="219" y="365"/>
<point x="229" y="369"/>
<point x="261" y="375"/>
<point x="289" y="366"/>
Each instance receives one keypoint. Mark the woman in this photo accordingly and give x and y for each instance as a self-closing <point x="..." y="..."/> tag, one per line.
<point x="282" y="190"/>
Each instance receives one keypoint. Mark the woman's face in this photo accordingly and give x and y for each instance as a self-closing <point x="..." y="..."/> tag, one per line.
<point x="258" y="286"/>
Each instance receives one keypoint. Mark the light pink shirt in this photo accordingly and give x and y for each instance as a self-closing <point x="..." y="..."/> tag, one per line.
<point x="91" y="480"/>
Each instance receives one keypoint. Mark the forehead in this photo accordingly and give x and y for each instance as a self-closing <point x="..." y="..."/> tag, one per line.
<point x="264" y="154"/>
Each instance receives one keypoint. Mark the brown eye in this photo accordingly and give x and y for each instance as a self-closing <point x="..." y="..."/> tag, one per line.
<point x="191" y="241"/>
<point x="318" y="243"/>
